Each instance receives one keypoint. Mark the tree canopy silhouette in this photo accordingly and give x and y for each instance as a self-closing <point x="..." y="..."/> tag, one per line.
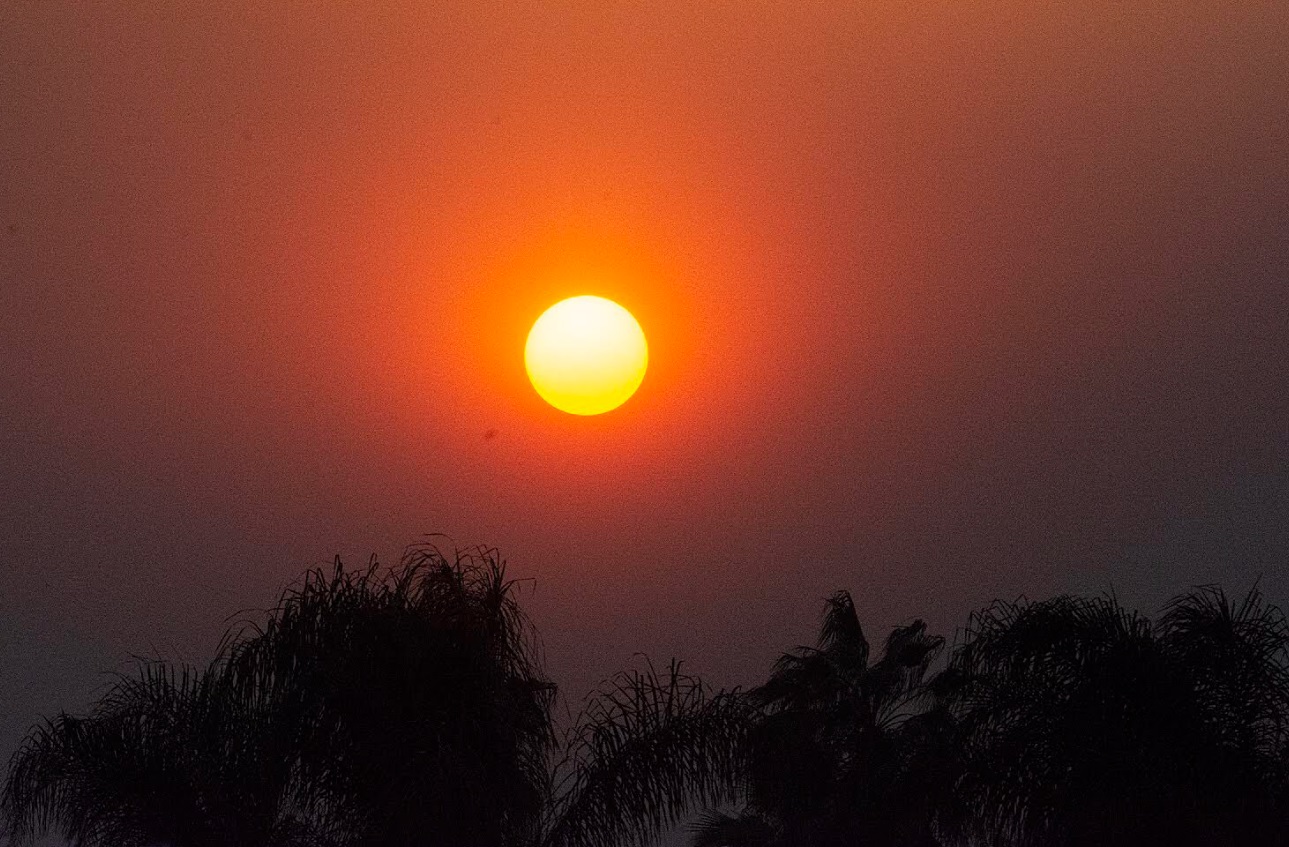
<point x="376" y="707"/>
<point x="839" y="748"/>
<point x="373" y="707"/>
<point x="1082" y="723"/>
<point x="1060" y="723"/>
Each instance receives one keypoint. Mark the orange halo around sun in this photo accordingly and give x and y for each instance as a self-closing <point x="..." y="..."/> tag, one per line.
<point x="586" y="355"/>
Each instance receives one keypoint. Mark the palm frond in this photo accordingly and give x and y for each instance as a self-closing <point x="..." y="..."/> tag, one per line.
<point x="718" y="829"/>
<point x="417" y="695"/>
<point x="167" y="756"/>
<point x="841" y="634"/>
<point x="647" y="749"/>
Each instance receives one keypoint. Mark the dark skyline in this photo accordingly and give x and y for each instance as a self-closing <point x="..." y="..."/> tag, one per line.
<point x="945" y="305"/>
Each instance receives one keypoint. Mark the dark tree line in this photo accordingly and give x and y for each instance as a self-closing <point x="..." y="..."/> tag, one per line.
<point x="409" y="706"/>
<point x="1061" y="723"/>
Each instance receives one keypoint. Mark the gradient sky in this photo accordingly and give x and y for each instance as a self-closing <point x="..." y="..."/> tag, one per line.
<point x="947" y="301"/>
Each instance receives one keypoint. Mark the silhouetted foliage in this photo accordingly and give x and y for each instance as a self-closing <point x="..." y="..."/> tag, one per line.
<point x="172" y="756"/>
<point x="840" y="749"/>
<point x="374" y="707"/>
<point x="408" y="706"/>
<point x="1062" y="723"/>
<point x="417" y="698"/>
<point x="1081" y="723"/>
<point x="647" y="748"/>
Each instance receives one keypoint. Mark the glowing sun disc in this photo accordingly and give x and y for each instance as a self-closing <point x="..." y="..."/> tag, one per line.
<point x="586" y="355"/>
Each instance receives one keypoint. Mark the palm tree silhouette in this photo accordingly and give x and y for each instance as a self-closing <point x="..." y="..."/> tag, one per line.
<point x="374" y="708"/>
<point x="839" y="749"/>
<point x="1062" y="723"/>
<point x="648" y="749"/>
<point x="1082" y="723"/>
<point x="409" y="706"/>
<point x="170" y="757"/>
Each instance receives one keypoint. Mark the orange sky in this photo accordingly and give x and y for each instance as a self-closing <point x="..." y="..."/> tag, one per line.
<point x="945" y="300"/>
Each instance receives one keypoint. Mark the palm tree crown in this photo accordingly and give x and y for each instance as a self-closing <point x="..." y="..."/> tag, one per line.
<point x="376" y="708"/>
<point x="1082" y="723"/>
<point x="839" y="747"/>
<point x="373" y="708"/>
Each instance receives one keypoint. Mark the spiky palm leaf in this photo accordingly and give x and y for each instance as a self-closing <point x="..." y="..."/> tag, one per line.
<point x="1238" y="656"/>
<point x="839" y="748"/>
<point x="719" y="829"/>
<point x="168" y="757"/>
<point x="648" y="748"/>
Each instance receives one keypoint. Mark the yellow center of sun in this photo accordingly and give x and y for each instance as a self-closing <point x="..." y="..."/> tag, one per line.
<point x="586" y="355"/>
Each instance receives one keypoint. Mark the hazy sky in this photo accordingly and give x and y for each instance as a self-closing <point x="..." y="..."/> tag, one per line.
<point x="947" y="301"/>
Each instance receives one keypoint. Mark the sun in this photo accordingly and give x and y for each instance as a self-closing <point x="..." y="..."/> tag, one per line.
<point x="586" y="355"/>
